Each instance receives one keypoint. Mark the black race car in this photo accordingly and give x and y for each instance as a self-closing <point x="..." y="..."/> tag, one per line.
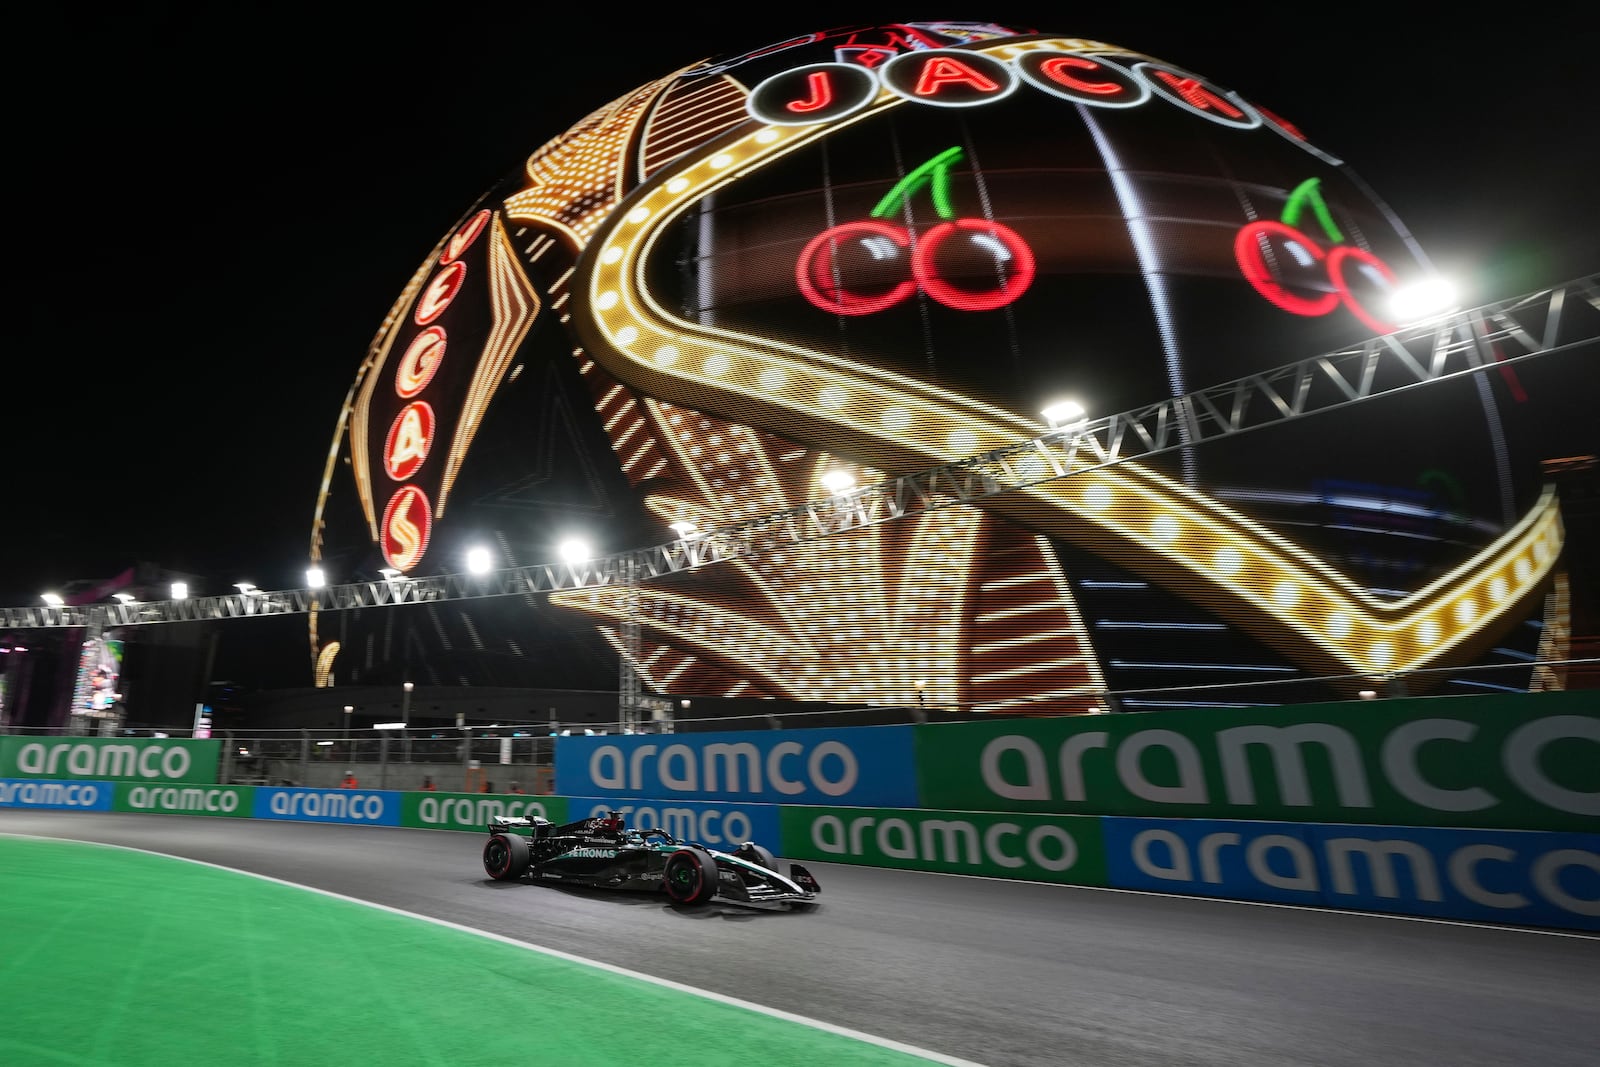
<point x="604" y="851"/>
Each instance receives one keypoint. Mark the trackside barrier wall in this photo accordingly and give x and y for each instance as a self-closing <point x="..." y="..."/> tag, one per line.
<point x="861" y="765"/>
<point x="113" y="759"/>
<point x="1040" y="848"/>
<point x="1479" y="808"/>
<point x="1526" y="877"/>
<point x="472" y="811"/>
<point x="428" y="811"/>
<point x="1504" y="876"/>
<point x="223" y="801"/>
<point x="1528" y="762"/>
<point x="65" y="796"/>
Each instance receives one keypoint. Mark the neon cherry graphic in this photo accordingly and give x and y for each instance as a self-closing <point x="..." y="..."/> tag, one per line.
<point x="869" y="265"/>
<point x="1293" y="272"/>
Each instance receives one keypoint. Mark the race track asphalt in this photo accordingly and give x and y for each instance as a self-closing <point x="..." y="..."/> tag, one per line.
<point x="1002" y="973"/>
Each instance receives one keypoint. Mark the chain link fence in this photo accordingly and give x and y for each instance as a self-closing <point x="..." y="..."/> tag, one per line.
<point x="468" y="759"/>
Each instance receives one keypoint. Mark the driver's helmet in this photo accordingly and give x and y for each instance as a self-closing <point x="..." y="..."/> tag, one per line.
<point x="881" y="250"/>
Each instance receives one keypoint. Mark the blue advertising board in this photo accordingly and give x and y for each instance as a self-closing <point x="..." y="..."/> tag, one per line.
<point x="364" y="806"/>
<point x="1526" y="877"/>
<point x="869" y="766"/>
<point x="723" y="826"/>
<point x="66" y="796"/>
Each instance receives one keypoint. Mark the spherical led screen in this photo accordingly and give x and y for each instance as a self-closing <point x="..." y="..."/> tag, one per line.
<point x="877" y="250"/>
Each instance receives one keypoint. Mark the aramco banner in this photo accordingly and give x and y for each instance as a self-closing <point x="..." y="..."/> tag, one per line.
<point x="65" y="796"/>
<point x="1526" y="877"/>
<point x="111" y="759"/>
<point x="1526" y="762"/>
<point x="1038" y="848"/>
<point x="724" y="826"/>
<point x="222" y="801"/>
<point x="295" y="804"/>
<point x="472" y="811"/>
<point x="863" y="765"/>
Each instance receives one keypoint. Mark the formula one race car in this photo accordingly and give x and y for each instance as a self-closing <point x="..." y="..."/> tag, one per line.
<point x="603" y="851"/>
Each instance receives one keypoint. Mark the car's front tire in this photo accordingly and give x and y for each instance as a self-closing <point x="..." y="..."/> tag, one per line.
<point x="506" y="857"/>
<point x="690" y="876"/>
<point x="756" y="854"/>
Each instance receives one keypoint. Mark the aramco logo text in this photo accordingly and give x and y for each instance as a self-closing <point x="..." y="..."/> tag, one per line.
<point x="69" y="759"/>
<point x="829" y="768"/>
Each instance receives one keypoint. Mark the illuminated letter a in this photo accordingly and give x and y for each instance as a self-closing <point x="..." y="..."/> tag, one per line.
<point x="943" y="70"/>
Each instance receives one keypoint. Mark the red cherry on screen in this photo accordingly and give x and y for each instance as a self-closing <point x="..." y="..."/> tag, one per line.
<point x="1299" y="259"/>
<point x="856" y="268"/>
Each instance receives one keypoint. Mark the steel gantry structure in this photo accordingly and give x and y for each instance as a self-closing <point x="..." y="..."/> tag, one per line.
<point x="1556" y="320"/>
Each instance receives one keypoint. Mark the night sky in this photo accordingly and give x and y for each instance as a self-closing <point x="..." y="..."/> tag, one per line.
<point x="217" y="206"/>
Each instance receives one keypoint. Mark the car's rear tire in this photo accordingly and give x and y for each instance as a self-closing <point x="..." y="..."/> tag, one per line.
<point x="757" y="854"/>
<point x="506" y="857"/>
<point x="690" y="876"/>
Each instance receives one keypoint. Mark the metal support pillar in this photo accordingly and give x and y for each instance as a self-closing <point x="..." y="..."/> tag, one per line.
<point x="629" y="691"/>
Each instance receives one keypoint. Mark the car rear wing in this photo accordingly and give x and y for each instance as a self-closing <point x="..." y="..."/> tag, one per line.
<point x="499" y="824"/>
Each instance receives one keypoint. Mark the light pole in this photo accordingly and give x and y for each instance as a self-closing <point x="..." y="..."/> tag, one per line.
<point x="405" y="720"/>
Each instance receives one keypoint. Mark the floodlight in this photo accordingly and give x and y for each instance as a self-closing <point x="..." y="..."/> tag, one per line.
<point x="838" y="481"/>
<point x="1423" y="300"/>
<point x="1064" y="412"/>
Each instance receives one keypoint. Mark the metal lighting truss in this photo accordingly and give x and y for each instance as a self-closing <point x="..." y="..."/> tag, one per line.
<point x="630" y="687"/>
<point x="1547" y="322"/>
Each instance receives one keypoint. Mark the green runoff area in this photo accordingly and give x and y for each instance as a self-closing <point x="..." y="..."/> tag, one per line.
<point x="119" y="956"/>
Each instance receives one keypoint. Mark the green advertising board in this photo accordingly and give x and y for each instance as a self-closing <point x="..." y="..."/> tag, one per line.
<point x="472" y="811"/>
<point x="111" y="759"/>
<point x="1036" y="848"/>
<point x="1523" y="762"/>
<point x="222" y="801"/>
